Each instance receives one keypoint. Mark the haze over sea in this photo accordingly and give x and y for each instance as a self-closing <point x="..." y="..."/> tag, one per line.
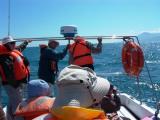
<point x="108" y="65"/>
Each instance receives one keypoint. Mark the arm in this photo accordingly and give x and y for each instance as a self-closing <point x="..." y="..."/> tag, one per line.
<point x="98" y="48"/>
<point x="23" y="45"/>
<point x="70" y="59"/>
<point x="59" y="55"/>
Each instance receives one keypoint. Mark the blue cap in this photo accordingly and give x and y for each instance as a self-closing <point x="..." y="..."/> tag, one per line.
<point x="38" y="88"/>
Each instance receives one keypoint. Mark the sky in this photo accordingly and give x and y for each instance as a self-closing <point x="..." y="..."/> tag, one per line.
<point x="43" y="18"/>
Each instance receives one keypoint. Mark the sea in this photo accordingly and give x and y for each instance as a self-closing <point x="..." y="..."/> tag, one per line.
<point x="108" y="64"/>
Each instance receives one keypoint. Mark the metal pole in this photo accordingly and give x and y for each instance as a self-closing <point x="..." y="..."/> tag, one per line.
<point x="8" y="17"/>
<point x="63" y="38"/>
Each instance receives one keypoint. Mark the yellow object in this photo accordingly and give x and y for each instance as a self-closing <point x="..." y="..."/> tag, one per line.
<point x="78" y="113"/>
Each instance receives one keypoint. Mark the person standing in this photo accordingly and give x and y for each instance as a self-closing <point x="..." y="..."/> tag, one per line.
<point x="14" y="71"/>
<point x="80" y="52"/>
<point x="48" y="63"/>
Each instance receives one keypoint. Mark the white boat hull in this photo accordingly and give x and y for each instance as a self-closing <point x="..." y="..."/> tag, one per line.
<point x="133" y="109"/>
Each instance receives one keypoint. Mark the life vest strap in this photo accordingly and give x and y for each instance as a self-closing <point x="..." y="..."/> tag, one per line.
<point x="87" y="54"/>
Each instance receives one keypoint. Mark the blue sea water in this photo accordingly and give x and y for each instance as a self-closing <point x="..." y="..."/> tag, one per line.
<point x="108" y="65"/>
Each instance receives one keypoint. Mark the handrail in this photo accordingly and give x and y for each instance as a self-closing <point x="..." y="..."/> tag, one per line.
<point x="71" y="38"/>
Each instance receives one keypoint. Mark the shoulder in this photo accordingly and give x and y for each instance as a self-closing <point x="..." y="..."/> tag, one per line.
<point x="89" y="44"/>
<point x="48" y="50"/>
<point x="3" y="48"/>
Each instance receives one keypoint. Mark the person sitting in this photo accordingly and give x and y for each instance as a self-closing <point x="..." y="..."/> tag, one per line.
<point x="80" y="95"/>
<point x="37" y="102"/>
<point x="111" y="102"/>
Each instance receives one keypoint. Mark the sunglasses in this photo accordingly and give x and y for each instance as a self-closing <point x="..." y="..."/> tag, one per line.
<point x="12" y="43"/>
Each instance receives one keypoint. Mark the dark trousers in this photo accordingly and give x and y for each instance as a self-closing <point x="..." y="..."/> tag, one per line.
<point x="89" y="65"/>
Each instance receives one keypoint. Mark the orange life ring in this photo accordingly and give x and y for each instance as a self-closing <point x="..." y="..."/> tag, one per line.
<point x="132" y="58"/>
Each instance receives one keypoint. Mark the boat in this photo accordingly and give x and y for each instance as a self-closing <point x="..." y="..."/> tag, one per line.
<point x="131" y="108"/>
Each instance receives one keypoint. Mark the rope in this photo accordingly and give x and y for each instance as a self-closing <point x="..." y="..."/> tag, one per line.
<point x="139" y="90"/>
<point x="149" y="75"/>
<point x="157" y="112"/>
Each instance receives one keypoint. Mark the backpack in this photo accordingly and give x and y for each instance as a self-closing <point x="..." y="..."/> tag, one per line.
<point x="7" y="65"/>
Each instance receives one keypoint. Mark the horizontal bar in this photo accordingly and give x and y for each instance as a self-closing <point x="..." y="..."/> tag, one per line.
<point x="70" y="38"/>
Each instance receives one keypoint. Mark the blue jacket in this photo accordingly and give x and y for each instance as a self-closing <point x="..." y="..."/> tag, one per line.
<point x="48" y="55"/>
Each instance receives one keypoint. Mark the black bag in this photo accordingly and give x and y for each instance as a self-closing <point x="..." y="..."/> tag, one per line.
<point x="25" y="61"/>
<point x="110" y="105"/>
<point x="6" y="63"/>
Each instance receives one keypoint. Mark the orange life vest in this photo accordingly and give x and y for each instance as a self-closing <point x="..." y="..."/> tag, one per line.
<point x="132" y="58"/>
<point x="81" y="53"/>
<point x="19" y="69"/>
<point x="35" y="107"/>
<point x="73" y="113"/>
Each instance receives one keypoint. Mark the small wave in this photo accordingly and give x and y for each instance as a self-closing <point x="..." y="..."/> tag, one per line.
<point x="143" y="83"/>
<point x="157" y="61"/>
<point x="156" y="86"/>
<point x="114" y="73"/>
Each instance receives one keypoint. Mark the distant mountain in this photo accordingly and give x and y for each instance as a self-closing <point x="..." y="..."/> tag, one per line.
<point x="149" y="37"/>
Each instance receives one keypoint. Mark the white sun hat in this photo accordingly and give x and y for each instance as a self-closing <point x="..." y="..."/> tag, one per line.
<point x="79" y="86"/>
<point x="8" y="39"/>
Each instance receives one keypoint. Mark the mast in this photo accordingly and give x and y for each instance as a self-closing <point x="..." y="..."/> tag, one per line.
<point x="9" y="17"/>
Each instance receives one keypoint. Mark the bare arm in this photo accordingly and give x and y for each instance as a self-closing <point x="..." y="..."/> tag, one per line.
<point x="98" y="48"/>
<point x="23" y="45"/>
<point x="54" y="55"/>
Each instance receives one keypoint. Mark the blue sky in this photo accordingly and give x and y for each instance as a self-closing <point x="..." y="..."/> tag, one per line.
<point x="43" y="18"/>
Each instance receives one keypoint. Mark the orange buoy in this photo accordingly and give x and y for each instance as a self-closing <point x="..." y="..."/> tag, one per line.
<point x="132" y="58"/>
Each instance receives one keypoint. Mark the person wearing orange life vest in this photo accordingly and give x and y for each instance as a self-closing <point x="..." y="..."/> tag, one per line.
<point x="38" y="101"/>
<point x="80" y="52"/>
<point x="80" y="93"/>
<point x="14" y="71"/>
